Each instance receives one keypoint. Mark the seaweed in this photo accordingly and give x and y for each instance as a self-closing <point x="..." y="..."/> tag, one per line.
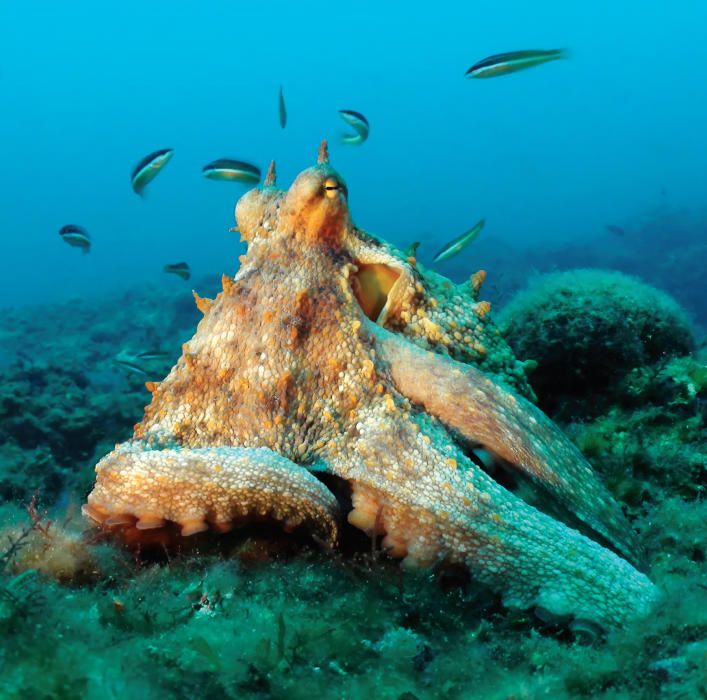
<point x="259" y="614"/>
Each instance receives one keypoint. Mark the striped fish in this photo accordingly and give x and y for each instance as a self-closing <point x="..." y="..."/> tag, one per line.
<point x="148" y="169"/>
<point x="360" y="126"/>
<point x="233" y="170"/>
<point x="283" y="110"/>
<point x="181" y="269"/>
<point x="149" y="355"/>
<point x="130" y="365"/>
<point x="453" y="247"/>
<point x="76" y="236"/>
<point x="504" y="63"/>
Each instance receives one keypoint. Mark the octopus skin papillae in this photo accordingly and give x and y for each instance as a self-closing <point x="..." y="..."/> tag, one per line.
<point x="331" y="352"/>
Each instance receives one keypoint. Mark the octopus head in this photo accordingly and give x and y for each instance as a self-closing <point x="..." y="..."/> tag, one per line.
<point x="315" y="208"/>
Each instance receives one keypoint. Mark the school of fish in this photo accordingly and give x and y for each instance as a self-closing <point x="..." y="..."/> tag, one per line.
<point x="228" y="169"/>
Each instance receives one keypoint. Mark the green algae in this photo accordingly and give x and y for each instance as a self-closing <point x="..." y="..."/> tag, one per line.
<point x="63" y="408"/>
<point x="258" y="614"/>
<point x="313" y="625"/>
<point x="653" y="440"/>
<point x="587" y="329"/>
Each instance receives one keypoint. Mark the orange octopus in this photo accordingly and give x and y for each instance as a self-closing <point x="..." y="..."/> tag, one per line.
<point x="329" y="351"/>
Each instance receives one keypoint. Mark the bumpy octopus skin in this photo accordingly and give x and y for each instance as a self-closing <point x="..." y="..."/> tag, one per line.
<point x="329" y="352"/>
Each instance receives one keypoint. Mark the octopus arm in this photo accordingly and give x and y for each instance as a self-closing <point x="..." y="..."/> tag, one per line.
<point x="463" y="516"/>
<point x="208" y="488"/>
<point x="509" y="426"/>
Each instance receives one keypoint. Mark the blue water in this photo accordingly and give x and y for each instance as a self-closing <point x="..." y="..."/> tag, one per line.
<point x="548" y="156"/>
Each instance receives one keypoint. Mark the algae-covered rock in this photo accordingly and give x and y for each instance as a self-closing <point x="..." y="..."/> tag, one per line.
<point x="51" y="420"/>
<point x="255" y="617"/>
<point x="587" y="329"/>
<point x="653" y="443"/>
<point x="62" y="395"/>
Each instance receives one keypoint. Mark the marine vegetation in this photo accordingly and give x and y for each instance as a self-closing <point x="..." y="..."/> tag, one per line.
<point x="263" y="614"/>
<point x="608" y="323"/>
<point x="652" y="438"/>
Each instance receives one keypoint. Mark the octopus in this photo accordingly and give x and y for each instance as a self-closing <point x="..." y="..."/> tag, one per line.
<point x="330" y="356"/>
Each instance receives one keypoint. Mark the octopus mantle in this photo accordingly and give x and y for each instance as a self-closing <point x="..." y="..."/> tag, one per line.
<point x="331" y="351"/>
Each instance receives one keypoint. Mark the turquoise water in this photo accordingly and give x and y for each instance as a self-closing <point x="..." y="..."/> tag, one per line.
<point x="549" y="155"/>
<point x="589" y="172"/>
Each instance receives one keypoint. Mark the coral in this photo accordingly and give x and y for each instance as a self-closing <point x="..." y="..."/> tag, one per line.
<point x="668" y="251"/>
<point x="587" y="329"/>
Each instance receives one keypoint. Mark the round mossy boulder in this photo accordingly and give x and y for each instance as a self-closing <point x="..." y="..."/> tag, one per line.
<point x="587" y="329"/>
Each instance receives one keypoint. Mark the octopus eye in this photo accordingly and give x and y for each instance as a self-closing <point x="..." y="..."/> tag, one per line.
<point x="332" y="187"/>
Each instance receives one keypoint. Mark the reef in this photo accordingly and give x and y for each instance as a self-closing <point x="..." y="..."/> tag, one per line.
<point x="652" y="438"/>
<point x="666" y="249"/>
<point x="608" y="323"/>
<point x="62" y="397"/>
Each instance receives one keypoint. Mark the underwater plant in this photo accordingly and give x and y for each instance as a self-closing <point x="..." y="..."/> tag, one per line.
<point x="587" y="329"/>
<point x="55" y="549"/>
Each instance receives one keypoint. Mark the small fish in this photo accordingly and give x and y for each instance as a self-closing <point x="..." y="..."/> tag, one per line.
<point x="130" y="365"/>
<point x="504" y="63"/>
<point x="616" y="230"/>
<point x="148" y="355"/>
<point x="180" y="269"/>
<point x="76" y="236"/>
<point x="148" y="169"/>
<point x="453" y="247"/>
<point x="360" y="126"/>
<point x="229" y="169"/>
<point x="283" y="110"/>
<point x="411" y="250"/>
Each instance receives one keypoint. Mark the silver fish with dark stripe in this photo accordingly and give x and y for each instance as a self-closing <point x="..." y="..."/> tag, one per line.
<point x="181" y="269"/>
<point x="459" y="243"/>
<point x="505" y="63"/>
<point x="150" y="355"/>
<point x="231" y="170"/>
<point x="148" y="168"/>
<point x="283" y="110"/>
<point x="76" y="236"/>
<point x="359" y="123"/>
<point x="130" y="365"/>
